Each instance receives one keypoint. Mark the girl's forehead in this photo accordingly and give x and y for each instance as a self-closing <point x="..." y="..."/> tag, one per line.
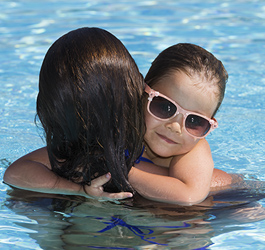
<point x="190" y="92"/>
<point x="189" y="79"/>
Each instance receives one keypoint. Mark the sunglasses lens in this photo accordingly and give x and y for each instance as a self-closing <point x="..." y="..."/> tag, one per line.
<point x="197" y="126"/>
<point x="162" y="108"/>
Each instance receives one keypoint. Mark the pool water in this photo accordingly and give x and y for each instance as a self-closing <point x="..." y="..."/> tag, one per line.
<point x="234" y="31"/>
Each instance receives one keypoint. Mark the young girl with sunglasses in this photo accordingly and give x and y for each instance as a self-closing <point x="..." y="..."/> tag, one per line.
<point x="185" y="87"/>
<point x="191" y="157"/>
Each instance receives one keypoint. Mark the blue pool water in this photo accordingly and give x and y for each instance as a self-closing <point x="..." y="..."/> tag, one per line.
<point x="233" y="30"/>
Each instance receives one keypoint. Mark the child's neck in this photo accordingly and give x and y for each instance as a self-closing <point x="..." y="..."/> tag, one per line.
<point x="155" y="158"/>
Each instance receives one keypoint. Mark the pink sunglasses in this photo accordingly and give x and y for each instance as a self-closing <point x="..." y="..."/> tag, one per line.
<point x="163" y="108"/>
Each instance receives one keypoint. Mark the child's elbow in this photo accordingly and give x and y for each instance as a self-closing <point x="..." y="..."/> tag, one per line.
<point x="192" y="199"/>
<point x="8" y="176"/>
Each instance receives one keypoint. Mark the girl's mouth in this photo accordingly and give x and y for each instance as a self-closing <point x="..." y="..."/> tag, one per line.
<point x="166" y="139"/>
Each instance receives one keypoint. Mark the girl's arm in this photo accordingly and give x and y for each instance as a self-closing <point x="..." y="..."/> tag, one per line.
<point x="195" y="170"/>
<point x="33" y="172"/>
<point x="189" y="181"/>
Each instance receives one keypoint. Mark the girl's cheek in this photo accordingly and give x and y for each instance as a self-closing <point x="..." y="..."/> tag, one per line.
<point x="190" y="142"/>
<point x="148" y="120"/>
<point x="151" y="122"/>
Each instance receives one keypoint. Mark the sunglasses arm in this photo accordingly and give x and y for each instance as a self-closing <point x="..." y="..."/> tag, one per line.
<point x="151" y="92"/>
<point x="214" y="123"/>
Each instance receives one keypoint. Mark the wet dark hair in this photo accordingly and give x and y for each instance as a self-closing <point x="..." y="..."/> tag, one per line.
<point x="90" y="107"/>
<point x="190" y="59"/>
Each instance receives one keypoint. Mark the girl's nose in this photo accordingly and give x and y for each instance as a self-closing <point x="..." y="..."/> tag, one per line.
<point x="175" y="125"/>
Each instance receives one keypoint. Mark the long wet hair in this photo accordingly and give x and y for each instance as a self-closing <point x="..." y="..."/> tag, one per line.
<point x="90" y="106"/>
<point x="191" y="59"/>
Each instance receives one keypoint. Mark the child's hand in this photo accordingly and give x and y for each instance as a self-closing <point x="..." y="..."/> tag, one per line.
<point x="96" y="189"/>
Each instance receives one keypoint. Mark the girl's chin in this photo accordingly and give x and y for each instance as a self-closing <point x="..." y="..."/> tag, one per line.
<point x="164" y="153"/>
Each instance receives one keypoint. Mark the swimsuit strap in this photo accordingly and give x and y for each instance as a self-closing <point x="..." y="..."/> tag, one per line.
<point x="141" y="158"/>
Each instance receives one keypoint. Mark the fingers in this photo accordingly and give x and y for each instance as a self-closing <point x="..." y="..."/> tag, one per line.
<point x="96" y="189"/>
<point x="118" y="196"/>
<point x="100" y="181"/>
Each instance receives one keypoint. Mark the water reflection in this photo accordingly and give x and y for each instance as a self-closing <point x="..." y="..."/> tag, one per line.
<point x="68" y="222"/>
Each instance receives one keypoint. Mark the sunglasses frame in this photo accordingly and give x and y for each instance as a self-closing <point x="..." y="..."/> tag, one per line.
<point x="152" y="93"/>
